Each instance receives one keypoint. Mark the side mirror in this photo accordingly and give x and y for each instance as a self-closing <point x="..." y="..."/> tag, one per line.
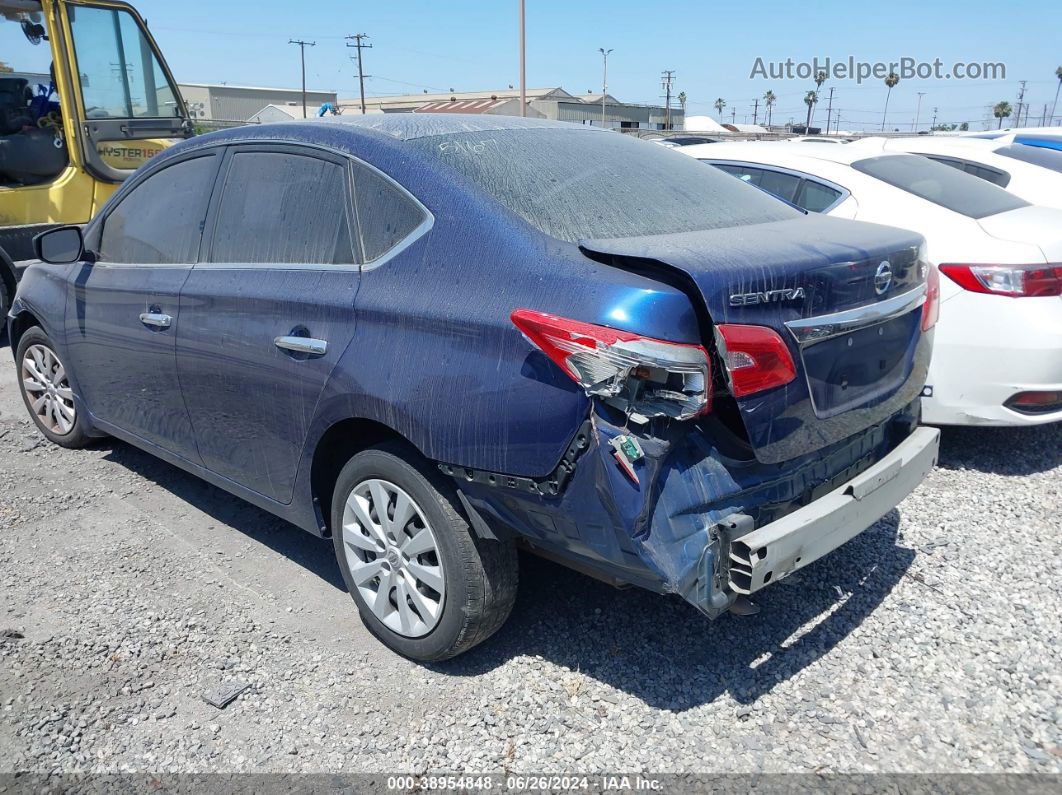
<point x="60" y="246"/>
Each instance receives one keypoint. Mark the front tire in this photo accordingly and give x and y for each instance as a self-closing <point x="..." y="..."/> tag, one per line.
<point x="47" y="389"/>
<point x="424" y="583"/>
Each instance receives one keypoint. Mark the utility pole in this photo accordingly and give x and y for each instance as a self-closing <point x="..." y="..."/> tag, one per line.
<point x="829" y="108"/>
<point x="1043" y="116"/>
<point x="523" y="63"/>
<point x="604" y="80"/>
<point x="934" y="119"/>
<point x="1021" y="98"/>
<point x="361" y="77"/>
<point x="302" y="52"/>
<point x="667" y="79"/>
<point x="755" y="109"/>
<point x="918" y="112"/>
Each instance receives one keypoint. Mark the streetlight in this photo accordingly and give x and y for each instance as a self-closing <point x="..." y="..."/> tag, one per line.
<point x="604" y="81"/>
<point x="523" y="73"/>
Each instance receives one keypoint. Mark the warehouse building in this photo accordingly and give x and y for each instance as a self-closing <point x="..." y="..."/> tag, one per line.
<point x="548" y="103"/>
<point x="240" y="103"/>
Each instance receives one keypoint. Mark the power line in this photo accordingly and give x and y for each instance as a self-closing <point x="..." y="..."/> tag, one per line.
<point x="359" y="46"/>
<point x="302" y="55"/>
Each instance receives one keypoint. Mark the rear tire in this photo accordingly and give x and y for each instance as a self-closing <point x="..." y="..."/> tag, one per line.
<point x="47" y="389"/>
<point x="424" y="583"/>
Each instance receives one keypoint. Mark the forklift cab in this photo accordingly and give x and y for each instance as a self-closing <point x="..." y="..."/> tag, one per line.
<point x="85" y="98"/>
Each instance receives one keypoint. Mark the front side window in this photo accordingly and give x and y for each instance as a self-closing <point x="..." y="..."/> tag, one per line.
<point x="160" y="221"/>
<point x="576" y="184"/>
<point x="120" y="75"/>
<point x="952" y="189"/>
<point x="280" y="207"/>
<point x="386" y="215"/>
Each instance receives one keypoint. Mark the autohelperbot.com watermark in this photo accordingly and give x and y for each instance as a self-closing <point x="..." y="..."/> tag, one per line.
<point x="850" y="68"/>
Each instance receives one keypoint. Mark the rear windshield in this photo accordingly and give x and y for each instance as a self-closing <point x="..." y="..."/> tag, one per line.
<point x="940" y="184"/>
<point x="1037" y="155"/>
<point x="576" y="184"/>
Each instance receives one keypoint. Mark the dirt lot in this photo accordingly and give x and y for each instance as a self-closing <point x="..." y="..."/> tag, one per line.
<point x="127" y="588"/>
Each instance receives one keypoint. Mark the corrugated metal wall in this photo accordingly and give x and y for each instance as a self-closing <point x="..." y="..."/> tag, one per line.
<point x="239" y="104"/>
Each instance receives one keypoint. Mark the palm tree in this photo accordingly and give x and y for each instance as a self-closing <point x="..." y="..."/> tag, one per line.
<point x="1001" y="111"/>
<point x="682" y="102"/>
<point x="890" y="81"/>
<point x="810" y="99"/>
<point x="719" y="105"/>
<point x="1058" y="74"/>
<point x="768" y="101"/>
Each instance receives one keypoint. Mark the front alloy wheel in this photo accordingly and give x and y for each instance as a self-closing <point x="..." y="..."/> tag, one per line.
<point x="47" y="388"/>
<point x="393" y="558"/>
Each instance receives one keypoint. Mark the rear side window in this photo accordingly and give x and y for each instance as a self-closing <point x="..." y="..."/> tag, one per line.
<point x="282" y="208"/>
<point x="993" y="175"/>
<point x="937" y="183"/>
<point x="160" y="221"/>
<point x="816" y="197"/>
<point x="386" y="215"/>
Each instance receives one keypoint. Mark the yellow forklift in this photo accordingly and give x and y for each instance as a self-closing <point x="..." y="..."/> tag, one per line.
<point x="85" y="98"/>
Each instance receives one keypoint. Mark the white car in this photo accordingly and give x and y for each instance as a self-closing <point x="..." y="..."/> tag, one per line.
<point x="1032" y="172"/>
<point x="998" y="349"/>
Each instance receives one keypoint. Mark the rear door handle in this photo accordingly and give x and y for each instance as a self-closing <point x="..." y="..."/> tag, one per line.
<point x="156" y="319"/>
<point x="307" y="345"/>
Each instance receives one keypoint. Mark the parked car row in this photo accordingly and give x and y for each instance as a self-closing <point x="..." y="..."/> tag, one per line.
<point x="998" y="349"/>
<point x="434" y="340"/>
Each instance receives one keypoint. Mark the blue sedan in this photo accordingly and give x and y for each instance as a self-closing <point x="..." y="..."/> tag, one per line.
<point x="436" y="340"/>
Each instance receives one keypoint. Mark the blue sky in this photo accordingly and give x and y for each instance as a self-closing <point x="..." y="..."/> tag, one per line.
<point x="711" y="46"/>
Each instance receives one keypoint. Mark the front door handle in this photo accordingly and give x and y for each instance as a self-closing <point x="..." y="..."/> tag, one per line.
<point x="156" y="319"/>
<point x="307" y="345"/>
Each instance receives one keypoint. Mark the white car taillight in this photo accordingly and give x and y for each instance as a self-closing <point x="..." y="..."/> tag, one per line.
<point x="1016" y="281"/>
<point x="642" y="376"/>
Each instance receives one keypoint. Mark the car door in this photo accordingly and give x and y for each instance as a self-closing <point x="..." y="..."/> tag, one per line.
<point x="269" y="311"/>
<point x="125" y="312"/>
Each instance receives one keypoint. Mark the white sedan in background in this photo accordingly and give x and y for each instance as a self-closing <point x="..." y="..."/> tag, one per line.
<point x="998" y="346"/>
<point x="1033" y="173"/>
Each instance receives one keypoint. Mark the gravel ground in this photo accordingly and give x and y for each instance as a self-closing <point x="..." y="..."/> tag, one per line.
<point x="929" y="643"/>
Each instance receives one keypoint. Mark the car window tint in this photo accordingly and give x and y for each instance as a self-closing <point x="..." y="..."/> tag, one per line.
<point x="744" y="173"/>
<point x="784" y="186"/>
<point x="946" y="161"/>
<point x="948" y="187"/>
<point x="992" y="175"/>
<point x="284" y="208"/>
<point x="386" y="215"/>
<point x="578" y="183"/>
<point x="816" y="197"/>
<point x="160" y="221"/>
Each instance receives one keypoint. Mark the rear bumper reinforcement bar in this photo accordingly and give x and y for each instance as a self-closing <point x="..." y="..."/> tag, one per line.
<point x="775" y="550"/>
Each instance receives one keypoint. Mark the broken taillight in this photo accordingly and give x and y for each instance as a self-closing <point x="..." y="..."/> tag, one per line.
<point x="756" y="358"/>
<point x="641" y="376"/>
<point x="1016" y="281"/>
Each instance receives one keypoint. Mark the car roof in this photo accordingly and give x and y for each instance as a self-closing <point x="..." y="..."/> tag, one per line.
<point x="780" y="152"/>
<point x="407" y="126"/>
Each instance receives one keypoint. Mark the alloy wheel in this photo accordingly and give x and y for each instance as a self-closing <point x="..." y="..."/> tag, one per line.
<point x="47" y="386"/>
<point x="393" y="557"/>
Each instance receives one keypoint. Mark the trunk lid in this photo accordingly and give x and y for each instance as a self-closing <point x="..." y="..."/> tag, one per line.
<point x="845" y="296"/>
